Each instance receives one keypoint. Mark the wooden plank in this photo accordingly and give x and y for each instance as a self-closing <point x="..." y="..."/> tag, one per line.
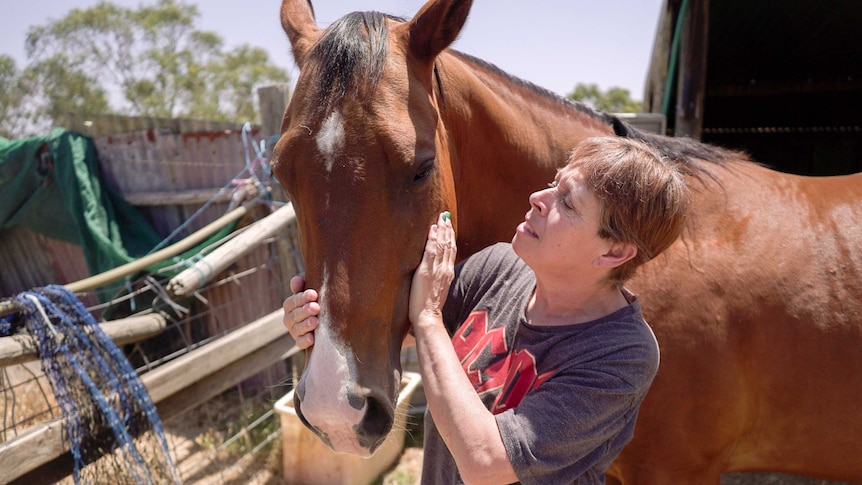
<point x="691" y="91"/>
<point x="272" y="100"/>
<point x="208" y="387"/>
<point x="110" y="124"/>
<point x="214" y="263"/>
<point x="185" y="197"/>
<point x="18" y="349"/>
<point x="18" y="456"/>
<point x="657" y="74"/>
<point x="31" y="449"/>
<point x="178" y="374"/>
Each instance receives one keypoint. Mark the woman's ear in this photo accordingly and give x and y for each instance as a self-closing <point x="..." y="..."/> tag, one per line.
<point x="618" y="253"/>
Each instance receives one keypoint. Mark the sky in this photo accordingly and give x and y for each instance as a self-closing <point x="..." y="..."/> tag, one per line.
<point x="555" y="44"/>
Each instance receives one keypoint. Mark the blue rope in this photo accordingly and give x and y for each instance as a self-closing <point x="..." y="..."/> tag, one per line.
<point x="85" y="367"/>
<point x="261" y="162"/>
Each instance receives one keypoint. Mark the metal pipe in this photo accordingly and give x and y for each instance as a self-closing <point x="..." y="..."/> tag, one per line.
<point x="95" y="281"/>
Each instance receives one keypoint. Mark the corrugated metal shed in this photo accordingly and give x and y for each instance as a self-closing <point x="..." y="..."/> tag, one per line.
<point x="175" y="172"/>
<point x="781" y="80"/>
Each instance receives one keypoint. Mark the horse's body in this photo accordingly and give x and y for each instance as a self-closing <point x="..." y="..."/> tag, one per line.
<point x="757" y="308"/>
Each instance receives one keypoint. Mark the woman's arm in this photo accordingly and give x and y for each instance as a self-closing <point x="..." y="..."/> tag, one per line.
<point x="468" y="428"/>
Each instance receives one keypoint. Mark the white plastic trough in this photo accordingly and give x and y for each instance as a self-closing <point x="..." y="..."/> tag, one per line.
<point x="307" y="460"/>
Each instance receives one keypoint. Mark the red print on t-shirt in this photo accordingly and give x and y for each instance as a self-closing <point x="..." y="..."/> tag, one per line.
<point x="482" y="352"/>
<point x="490" y="366"/>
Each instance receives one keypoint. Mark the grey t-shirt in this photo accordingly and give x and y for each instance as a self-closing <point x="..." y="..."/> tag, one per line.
<point x="565" y="397"/>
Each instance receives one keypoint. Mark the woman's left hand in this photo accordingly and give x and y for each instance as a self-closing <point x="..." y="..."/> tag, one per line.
<point x="432" y="278"/>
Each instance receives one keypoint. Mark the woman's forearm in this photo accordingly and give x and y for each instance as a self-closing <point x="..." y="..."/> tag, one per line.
<point x="468" y="428"/>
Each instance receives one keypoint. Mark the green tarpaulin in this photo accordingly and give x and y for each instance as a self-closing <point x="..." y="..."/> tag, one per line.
<point x="53" y="185"/>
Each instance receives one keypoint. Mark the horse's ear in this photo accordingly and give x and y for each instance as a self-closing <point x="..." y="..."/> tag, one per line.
<point x="436" y="26"/>
<point x="297" y="20"/>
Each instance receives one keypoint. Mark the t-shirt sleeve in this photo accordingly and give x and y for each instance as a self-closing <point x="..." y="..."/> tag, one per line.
<point x="567" y="425"/>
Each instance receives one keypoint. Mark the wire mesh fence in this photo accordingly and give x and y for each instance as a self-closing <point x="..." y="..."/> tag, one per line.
<point x="215" y="359"/>
<point x="213" y="439"/>
<point x="217" y="416"/>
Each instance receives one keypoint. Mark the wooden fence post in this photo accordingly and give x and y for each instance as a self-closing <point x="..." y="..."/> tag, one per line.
<point x="691" y="88"/>
<point x="272" y="101"/>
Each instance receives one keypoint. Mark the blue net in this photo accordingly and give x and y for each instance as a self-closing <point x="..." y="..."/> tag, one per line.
<point x="112" y="425"/>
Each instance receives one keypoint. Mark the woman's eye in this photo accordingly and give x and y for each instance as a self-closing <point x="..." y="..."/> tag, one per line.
<point x="564" y="200"/>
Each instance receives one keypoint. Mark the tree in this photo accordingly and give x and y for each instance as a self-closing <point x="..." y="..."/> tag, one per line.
<point x="17" y="110"/>
<point x="614" y="100"/>
<point x="148" y="61"/>
<point x="11" y="99"/>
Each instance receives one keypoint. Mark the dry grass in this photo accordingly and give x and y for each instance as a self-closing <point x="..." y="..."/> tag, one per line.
<point x="27" y="399"/>
<point x="199" y="442"/>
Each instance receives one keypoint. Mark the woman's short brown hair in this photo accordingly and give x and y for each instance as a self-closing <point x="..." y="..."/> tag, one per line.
<point x="643" y="196"/>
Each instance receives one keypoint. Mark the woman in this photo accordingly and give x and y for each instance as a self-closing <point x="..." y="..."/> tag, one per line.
<point x="535" y="359"/>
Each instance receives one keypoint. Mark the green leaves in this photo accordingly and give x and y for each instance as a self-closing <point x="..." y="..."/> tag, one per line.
<point x="14" y="92"/>
<point x="148" y="61"/>
<point x="614" y="100"/>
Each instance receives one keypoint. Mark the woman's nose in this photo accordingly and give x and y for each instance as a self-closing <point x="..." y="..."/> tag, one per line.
<point x="537" y="200"/>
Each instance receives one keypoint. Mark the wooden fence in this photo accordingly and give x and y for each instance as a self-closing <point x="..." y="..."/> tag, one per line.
<point x="181" y="175"/>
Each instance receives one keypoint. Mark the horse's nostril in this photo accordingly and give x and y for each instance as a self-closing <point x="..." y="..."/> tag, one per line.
<point x="375" y="424"/>
<point x="356" y="401"/>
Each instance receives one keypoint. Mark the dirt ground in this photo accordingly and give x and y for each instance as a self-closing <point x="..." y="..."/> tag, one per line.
<point x="407" y="471"/>
<point x="198" y="464"/>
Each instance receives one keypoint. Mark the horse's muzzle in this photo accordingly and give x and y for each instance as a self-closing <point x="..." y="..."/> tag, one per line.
<point x="358" y="428"/>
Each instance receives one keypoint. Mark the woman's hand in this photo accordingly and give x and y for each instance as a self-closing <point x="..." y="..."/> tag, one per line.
<point x="432" y="278"/>
<point x="300" y="313"/>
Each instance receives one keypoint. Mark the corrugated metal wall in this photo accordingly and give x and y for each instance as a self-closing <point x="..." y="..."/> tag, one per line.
<point x="176" y="172"/>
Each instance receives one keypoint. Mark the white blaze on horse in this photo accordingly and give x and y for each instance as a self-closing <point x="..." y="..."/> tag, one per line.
<point x="757" y="308"/>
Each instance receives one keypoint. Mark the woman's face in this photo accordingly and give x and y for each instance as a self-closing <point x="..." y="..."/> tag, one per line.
<point x="560" y="231"/>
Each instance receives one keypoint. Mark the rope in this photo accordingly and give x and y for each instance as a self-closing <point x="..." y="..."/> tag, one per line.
<point x="260" y="163"/>
<point x="110" y="420"/>
<point x="170" y="237"/>
<point x="674" y="54"/>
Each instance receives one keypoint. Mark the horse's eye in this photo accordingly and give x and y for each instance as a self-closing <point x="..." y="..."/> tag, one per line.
<point x="424" y="171"/>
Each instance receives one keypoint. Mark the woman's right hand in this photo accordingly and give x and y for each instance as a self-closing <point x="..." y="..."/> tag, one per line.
<point x="300" y="313"/>
<point x="431" y="280"/>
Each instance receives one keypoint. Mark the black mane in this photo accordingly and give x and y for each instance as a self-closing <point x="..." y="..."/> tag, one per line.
<point x="351" y="53"/>
<point x="680" y="149"/>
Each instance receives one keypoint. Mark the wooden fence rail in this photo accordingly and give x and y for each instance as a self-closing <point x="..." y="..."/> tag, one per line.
<point x="181" y="383"/>
<point x="214" y="263"/>
<point x="21" y="348"/>
<point x="187" y="381"/>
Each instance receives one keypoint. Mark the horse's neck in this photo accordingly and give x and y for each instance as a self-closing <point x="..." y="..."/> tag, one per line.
<point x="508" y="141"/>
<point x="511" y="118"/>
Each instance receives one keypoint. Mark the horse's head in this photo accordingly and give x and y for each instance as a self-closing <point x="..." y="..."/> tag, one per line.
<point x="367" y="164"/>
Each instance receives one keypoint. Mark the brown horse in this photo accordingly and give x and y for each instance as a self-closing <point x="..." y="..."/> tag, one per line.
<point x="758" y="307"/>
